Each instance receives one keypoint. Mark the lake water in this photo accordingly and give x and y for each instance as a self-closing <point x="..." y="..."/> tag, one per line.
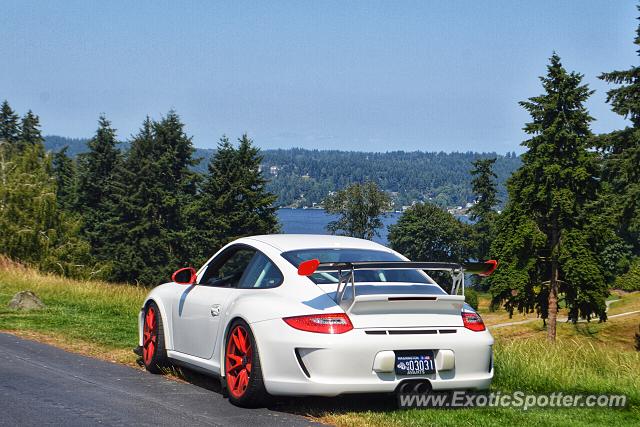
<point x="314" y="221"/>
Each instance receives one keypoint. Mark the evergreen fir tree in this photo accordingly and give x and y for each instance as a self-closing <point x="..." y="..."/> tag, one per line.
<point x="255" y="212"/>
<point x="543" y="242"/>
<point x="233" y="201"/>
<point x="485" y="188"/>
<point x="9" y="125"/>
<point x="133" y="252"/>
<point x="30" y="130"/>
<point x="210" y="229"/>
<point x="96" y="167"/>
<point x="64" y="169"/>
<point x="621" y="151"/>
<point x="156" y="187"/>
<point x="96" y="179"/>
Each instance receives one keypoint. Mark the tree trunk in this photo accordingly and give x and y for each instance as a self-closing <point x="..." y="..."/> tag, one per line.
<point x="553" y="289"/>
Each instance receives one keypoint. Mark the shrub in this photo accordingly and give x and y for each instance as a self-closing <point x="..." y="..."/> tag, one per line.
<point x="629" y="281"/>
<point x="471" y="297"/>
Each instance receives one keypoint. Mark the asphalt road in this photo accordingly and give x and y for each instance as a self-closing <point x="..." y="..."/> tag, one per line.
<point x="43" y="385"/>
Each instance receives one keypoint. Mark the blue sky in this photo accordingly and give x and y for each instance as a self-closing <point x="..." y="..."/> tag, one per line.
<point x="368" y="76"/>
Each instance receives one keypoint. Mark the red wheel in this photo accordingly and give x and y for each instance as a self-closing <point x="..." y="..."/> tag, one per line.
<point x="154" y="355"/>
<point x="242" y="367"/>
<point x="238" y="361"/>
<point x="150" y="335"/>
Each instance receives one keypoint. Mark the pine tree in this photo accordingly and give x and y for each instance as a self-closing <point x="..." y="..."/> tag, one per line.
<point x="255" y="211"/>
<point x="9" y="125"/>
<point x="624" y="99"/>
<point x="361" y="207"/>
<point x="64" y="169"/>
<point x="179" y="184"/>
<point x="30" y="133"/>
<point x="233" y="201"/>
<point x="543" y="242"/>
<point x="209" y="228"/>
<point x="621" y="151"/>
<point x="484" y="187"/>
<point x="136" y="230"/>
<point x="96" y="179"/>
<point x="482" y="212"/>
<point x="156" y="187"/>
<point x="96" y="167"/>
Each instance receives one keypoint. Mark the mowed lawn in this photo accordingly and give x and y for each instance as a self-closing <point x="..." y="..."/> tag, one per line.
<point x="99" y="319"/>
<point x="95" y="318"/>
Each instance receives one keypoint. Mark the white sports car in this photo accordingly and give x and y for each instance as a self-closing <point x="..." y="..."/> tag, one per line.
<point x="317" y="315"/>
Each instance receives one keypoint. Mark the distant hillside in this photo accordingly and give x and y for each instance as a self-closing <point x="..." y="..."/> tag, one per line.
<point x="303" y="177"/>
<point x="57" y="143"/>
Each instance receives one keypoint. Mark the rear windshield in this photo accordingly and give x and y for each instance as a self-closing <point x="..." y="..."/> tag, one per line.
<point x="355" y="255"/>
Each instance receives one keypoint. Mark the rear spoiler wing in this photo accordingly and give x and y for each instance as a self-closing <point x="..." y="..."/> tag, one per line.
<point x="479" y="268"/>
<point x="457" y="271"/>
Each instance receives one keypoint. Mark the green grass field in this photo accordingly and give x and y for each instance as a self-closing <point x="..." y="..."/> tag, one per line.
<point x="99" y="319"/>
<point x="95" y="317"/>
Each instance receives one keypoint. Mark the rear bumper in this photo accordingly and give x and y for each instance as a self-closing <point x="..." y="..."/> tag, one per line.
<point x="303" y="363"/>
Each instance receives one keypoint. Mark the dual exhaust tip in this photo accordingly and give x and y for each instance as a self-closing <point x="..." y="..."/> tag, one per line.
<point x="415" y="386"/>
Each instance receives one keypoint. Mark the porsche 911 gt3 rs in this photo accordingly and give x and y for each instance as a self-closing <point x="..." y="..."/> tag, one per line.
<point x="317" y="315"/>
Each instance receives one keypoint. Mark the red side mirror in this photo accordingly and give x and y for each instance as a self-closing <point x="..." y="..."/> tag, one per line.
<point x="307" y="268"/>
<point x="184" y="276"/>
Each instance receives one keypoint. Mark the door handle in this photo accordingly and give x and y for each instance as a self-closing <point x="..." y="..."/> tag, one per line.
<point x="215" y="310"/>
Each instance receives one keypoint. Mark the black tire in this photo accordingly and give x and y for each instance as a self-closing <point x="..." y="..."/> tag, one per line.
<point x="254" y="393"/>
<point x="154" y="358"/>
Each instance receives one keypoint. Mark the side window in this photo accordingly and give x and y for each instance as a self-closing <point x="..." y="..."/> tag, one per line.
<point x="227" y="269"/>
<point x="261" y="273"/>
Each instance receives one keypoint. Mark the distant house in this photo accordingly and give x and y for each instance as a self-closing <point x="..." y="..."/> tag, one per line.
<point x="273" y="170"/>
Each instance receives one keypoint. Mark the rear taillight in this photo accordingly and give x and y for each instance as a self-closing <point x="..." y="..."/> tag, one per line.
<point x="473" y="321"/>
<point x="338" y="323"/>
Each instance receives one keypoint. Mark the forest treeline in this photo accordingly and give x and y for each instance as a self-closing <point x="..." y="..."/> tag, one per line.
<point x="302" y="178"/>
<point x="128" y="214"/>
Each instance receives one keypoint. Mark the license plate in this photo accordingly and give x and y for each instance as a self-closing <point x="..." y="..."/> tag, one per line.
<point x="415" y="362"/>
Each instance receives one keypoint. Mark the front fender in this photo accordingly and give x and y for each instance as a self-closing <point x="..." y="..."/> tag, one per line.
<point x="160" y="296"/>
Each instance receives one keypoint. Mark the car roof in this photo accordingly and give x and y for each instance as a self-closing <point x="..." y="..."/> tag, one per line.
<point x="292" y="242"/>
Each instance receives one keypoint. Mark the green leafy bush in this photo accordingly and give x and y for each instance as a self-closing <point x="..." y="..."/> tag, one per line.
<point x="629" y="281"/>
<point x="471" y="297"/>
